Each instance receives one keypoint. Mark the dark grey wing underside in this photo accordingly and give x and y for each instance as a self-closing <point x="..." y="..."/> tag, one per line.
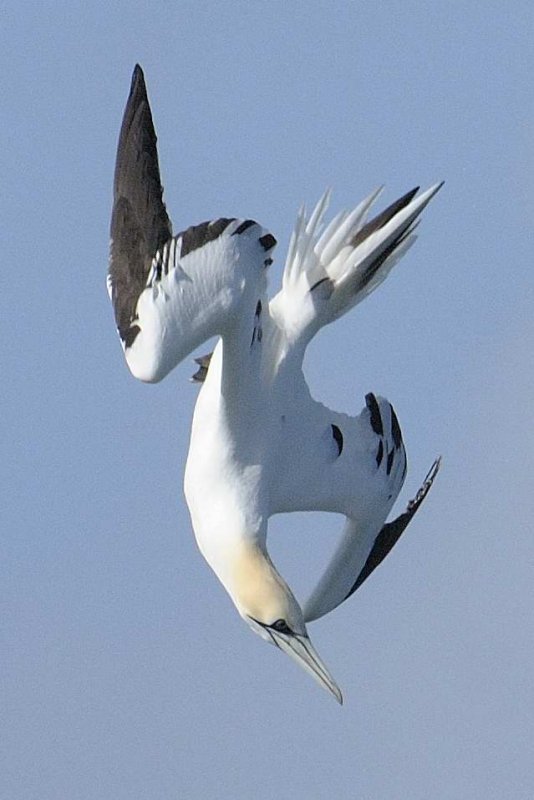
<point x="140" y="225"/>
<point x="392" y="531"/>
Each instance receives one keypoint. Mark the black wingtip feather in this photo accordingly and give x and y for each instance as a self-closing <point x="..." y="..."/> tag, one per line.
<point x="395" y="428"/>
<point x="374" y="409"/>
<point x="392" y="531"/>
<point x="139" y="222"/>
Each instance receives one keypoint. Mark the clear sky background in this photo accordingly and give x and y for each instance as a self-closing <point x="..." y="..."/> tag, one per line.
<point x="127" y="673"/>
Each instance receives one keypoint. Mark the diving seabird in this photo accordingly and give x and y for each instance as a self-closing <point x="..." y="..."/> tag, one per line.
<point x="260" y="444"/>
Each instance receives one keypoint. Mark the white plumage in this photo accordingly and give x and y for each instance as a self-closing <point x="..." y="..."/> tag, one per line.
<point x="260" y="444"/>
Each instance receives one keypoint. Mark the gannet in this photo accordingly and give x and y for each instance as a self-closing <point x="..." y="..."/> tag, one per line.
<point x="260" y="444"/>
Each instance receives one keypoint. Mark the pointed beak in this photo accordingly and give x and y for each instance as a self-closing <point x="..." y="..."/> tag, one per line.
<point x="302" y="651"/>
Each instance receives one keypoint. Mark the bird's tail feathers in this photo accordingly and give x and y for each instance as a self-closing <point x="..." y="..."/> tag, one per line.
<point x="329" y="269"/>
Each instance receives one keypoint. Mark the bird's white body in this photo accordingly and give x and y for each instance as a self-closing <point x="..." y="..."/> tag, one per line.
<point x="260" y="445"/>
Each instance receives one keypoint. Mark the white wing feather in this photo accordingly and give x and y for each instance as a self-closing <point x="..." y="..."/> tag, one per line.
<point x="329" y="270"/>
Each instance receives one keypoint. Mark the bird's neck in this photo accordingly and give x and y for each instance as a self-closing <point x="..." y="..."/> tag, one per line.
<point x="241" y="394"/>
<point x="228" y="443"/>
<point x="256" y="585"/>
<point x="249" y="577"/>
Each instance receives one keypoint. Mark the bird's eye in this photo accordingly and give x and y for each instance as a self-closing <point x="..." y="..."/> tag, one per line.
<point x="282" y="627"/>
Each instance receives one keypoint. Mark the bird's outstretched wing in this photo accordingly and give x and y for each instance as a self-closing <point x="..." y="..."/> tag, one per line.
<point x="140" y="225"/>
<point x="328" y="461"/>
<point x="358" y="553"/>
<point x="353" y="466"/>
<point x="330" y="269"/>
<point x="169" y="293"/>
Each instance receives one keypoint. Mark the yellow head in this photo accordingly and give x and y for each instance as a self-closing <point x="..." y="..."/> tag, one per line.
<point x="267" y="604"/>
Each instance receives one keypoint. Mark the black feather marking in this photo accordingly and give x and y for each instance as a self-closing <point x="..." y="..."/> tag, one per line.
<point x="257" y="333"/>
<point x="338" y="436"/>
<point x="374" y="265"/>
<point x="389" y="465"/>
<point x="376" y="419"/>
<point x="383" y="218"/>
<point x="320" y="282"/>
<point x="198" y="235"/>
<point x="128" y="336"/>
<point x="392" y="531"/>
<point x="395" y="428"/>
<point x="379" y="453"/>
<point x="267" y="241"/>
<point x="248" y="223"/>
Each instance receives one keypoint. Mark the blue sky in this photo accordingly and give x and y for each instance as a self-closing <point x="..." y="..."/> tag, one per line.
<point x="128" y="673"/>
